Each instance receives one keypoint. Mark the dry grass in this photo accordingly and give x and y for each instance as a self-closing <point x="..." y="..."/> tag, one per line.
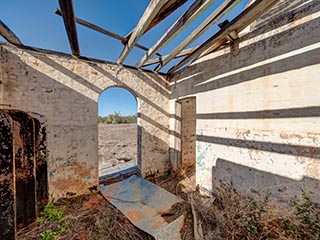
<point x="230" y="215"/>
<point x="225" y="215"/>
<point x="84" y="217"/>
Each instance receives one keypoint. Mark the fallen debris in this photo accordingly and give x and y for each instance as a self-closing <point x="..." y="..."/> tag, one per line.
<point x="84" y="217"/>
<point x="143" y="202"/>
<point x="226" y="215"/>
<point x="197" y="228"/>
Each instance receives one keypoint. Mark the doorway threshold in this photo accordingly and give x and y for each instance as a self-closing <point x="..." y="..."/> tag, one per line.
<point x="110" y="177"/>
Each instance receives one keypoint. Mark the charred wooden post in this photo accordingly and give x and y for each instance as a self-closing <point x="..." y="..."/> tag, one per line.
<point x="7" y="213"/>
<point x="21" y="171"/>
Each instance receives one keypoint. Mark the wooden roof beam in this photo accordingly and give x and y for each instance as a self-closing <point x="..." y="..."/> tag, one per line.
<point x="194" y="11"/>
<point x="208" y="22"/>
<point x="67" y="12"/>
<point x="181" y="54"/>
<point x="8" y="34"/>
<point x="103" y="31"/>
<point x="169" y="7"/>
<point x="237" y="25"/>
<point x="149" y="14"/>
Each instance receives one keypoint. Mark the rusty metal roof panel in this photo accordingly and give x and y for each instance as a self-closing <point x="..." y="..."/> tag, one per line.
<point x="142" y="202"/>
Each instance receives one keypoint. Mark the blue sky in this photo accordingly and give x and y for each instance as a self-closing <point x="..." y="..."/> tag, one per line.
<point x="36" y="24"/>
<point x="117" y="100"/>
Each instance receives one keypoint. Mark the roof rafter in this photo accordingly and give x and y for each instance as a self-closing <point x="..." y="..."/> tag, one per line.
<point x="168" y="8"/>
<point x="179" y="55"/>
<point x="237" y="25"/>
<point x="8" y="34"/>
<point x="70" y="25"/>
<point x="103" y="31"/>
<point x="149" y="14"/>
<point x="208" y="22"/>
<point x="193" y="11"/>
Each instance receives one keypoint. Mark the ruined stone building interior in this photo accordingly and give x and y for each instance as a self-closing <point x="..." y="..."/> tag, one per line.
<point x="242" y="108"/>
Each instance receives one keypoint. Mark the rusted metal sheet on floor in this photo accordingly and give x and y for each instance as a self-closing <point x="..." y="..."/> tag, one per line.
<point x="142" y="203"/>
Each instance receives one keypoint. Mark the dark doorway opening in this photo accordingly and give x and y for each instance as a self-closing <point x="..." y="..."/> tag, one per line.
<point x="23" y="171"/>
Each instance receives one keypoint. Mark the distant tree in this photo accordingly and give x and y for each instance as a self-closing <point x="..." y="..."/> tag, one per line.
<point x="116" y="118"/>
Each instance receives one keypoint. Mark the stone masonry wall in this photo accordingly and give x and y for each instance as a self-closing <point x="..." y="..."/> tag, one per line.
<point x="65" y="91"/>
<point x="258" y="105"/>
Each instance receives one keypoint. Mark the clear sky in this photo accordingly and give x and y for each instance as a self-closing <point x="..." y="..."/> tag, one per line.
<point x="36" y="24"/>
<point x="117" y="100"/>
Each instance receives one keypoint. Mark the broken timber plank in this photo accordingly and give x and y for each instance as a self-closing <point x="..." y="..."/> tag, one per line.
<point x="103" y="31"/>
<point x="8" y="34"/>
<point x="197" y="228"/>
<point x="212" y="19"/>
<point x="70" y="25"/>
<point x="238" y="24"/>
<point x="149" y="14"/>
<point x="194" y="11"/>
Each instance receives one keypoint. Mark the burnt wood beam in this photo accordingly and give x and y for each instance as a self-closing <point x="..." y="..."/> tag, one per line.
<point x="236" y="25"/>
<point x="8" y="34"/>
<point x="67" y="12"/>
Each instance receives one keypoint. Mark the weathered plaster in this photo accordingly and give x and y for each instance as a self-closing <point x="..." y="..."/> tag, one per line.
<point x="258" y="105"/>
<point x="65" y="91"/>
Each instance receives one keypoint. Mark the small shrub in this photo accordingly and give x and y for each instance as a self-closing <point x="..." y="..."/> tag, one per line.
<point x="48" y="235"/>
<point x="51" y="212"/>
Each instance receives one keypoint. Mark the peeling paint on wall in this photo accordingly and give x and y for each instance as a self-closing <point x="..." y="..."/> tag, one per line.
<point x="258" y="109"/>
<point x="65" y="91"/>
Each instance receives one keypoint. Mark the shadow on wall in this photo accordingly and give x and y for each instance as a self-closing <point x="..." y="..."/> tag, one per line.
<point x="258" y="183"/>
<point x="151" y="150"/>
<point x="239" y="68"/>
<point x="63" y="91"/>
<point x="71" y="118"/>
<point x="282" y="148"/>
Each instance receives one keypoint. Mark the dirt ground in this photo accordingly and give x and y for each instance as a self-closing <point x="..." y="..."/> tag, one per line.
<point x="117" y="143"/>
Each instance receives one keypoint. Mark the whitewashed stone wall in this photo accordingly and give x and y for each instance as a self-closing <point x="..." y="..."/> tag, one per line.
<point x="65" y="91"/>
<point x="258" y="105"/>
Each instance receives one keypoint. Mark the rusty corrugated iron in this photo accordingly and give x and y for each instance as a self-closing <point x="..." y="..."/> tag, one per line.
<point x="142" y="203"/>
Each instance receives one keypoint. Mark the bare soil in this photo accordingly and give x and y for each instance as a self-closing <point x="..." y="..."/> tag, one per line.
<point x="117" y="143"/>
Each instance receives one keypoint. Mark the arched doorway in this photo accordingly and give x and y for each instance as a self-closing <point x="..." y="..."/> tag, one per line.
<point x="117" y="131"/>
